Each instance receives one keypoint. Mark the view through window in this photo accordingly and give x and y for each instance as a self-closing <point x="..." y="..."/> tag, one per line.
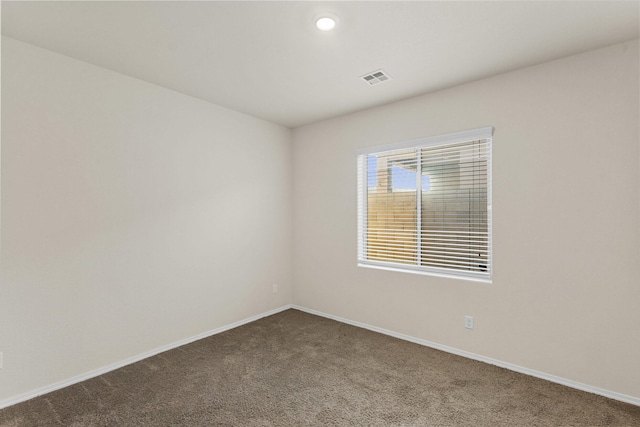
<point x="426" y="205"/>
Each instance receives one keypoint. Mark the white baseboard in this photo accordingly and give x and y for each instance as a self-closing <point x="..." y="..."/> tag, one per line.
<point x="79" y="378"/>
<point x="559" y="380"/>
<point x="542" y="375"/>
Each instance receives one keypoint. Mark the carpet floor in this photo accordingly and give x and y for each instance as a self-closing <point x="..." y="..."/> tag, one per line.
<point x="296" y="369"/>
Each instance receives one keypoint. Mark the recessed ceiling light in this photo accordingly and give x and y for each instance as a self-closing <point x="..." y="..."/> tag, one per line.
<point x="326" y="23"/>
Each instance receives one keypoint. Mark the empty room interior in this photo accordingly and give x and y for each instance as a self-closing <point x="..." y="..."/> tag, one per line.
<point x="320" y="213"/>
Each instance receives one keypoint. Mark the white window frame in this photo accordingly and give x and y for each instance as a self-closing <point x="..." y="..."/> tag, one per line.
<point x="485" y="133"/>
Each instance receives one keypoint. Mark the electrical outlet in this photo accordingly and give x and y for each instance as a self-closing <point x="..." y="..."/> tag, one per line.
<point x="468" y="322"/>
<point x="275" y="289"/>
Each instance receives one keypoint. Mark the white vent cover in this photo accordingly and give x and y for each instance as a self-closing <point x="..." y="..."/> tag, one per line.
<point x="376" y="77"/>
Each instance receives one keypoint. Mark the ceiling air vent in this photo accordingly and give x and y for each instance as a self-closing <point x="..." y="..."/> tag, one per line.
<point x="376" y="77"/>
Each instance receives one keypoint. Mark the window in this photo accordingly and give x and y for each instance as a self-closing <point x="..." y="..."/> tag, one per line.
<point x="425" y="206"/>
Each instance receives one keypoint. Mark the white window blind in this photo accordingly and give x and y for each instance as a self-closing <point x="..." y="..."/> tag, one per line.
<point x="425" y="205"/>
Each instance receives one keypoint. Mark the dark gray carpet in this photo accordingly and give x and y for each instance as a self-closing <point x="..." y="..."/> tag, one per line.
<point x="295" y="369"/>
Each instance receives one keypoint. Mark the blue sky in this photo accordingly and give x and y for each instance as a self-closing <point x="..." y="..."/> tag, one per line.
<point x="402" y="179"/>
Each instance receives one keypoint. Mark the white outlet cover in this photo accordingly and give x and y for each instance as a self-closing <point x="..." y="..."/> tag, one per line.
<point x="468" y="322"/>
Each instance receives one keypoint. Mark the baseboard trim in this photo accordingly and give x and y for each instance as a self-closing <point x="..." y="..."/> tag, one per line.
<point x="531" y="372"/>
<point x="538" y="374"/>
<point x="79" y="378"/>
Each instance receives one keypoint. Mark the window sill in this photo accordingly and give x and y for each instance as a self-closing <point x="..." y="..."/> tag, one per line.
<point x="415" y="270"/>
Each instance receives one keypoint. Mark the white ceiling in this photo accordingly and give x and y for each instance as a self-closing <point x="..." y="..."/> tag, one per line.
<point x="268" y="60"/>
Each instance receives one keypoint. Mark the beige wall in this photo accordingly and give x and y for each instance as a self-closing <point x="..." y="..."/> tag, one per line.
<point x="132" y="217"/>
<point x="565" y="299"/>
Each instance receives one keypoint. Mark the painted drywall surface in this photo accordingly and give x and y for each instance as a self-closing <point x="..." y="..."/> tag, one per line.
<point x="133" y="217"/>
<point x="566" y="220"/>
